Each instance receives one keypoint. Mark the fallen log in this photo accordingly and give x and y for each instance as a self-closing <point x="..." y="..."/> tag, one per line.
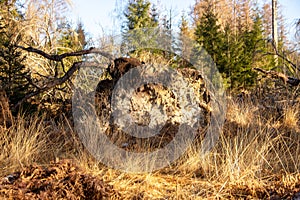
<point x="278" y="75"/>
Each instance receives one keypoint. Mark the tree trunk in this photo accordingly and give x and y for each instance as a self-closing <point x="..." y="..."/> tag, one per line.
<point x="6" y="118"/>
<point x="274" y="30"/>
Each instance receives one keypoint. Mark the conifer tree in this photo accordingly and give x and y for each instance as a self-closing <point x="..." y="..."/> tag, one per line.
<point x="185" y="42"/>
<point x="14" y="75"/>
<point x="139" y="15"/>
<point x="233" y="52"/>
<point x="253" y="42"/>
<point x="81" y="39"/>
<point x="166" y="35"/>
<point x="208" y="34"/>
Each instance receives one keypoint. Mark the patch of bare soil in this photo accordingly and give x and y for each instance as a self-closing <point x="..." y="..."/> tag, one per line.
<point x="61" y="180"/>
<point x="274" y="189"/>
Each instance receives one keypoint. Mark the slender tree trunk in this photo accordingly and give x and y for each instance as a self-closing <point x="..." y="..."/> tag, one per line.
<point x="274" y="29"/>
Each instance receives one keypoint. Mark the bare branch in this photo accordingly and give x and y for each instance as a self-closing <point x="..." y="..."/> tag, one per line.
<point x="281" y="56"/>
<point x="30" y="81"/>
<point x="69" y="54"/>
<point x="67" y="75"/>
<point x="284" y="58"/>
<point x="51" y="84"/>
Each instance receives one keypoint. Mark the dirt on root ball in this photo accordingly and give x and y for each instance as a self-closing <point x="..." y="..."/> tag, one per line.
<point x="150" y="100"/>
<point x="61" y="180"/>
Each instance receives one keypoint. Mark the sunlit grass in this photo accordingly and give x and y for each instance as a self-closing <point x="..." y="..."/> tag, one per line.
<point x="253" y="157"/>
<point x="291" y="118"/>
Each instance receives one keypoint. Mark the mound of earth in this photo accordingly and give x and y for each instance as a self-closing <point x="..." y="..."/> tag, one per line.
<point x="280" y="187"/>
<point x="61" y="180"/>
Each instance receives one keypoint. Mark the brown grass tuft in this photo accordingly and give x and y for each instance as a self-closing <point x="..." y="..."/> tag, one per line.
<point x="291" y="118"/>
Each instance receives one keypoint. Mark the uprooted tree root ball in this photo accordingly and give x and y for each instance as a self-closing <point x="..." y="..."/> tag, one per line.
<point x="147" y="98"/>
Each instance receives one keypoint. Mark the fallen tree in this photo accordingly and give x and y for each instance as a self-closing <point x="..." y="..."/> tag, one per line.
<point x="278" y="75"/>
<point x="144" y="100"/>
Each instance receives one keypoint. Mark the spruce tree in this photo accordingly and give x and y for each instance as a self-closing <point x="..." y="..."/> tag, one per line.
<point x="252" y="42"/>
<point x="166" y="37"/>
<point x="185" y="43"/>
<point x="81" y="38"/>
<point x="251" y="46"/>
<point x="209" y="37"/>
<point x="139" y="15"/>
<point x="14" y="76"/>
<point x="208" y="34"/>
<point x="233" y="52"/>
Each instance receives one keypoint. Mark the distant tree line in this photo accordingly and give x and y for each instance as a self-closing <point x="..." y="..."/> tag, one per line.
<point x="235" y="33"/>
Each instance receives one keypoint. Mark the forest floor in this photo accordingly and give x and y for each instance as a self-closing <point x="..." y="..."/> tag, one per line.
<point x="256" y="157"/>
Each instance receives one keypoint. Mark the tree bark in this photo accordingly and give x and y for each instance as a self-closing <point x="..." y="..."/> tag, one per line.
<point x="274" y="29"/>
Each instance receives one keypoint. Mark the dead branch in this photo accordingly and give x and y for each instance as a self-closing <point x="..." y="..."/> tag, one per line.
<point x="277" y="75"/>
<point x="283" y="58"/>
<point x="60" y="57"/>
<point x="53" y="82"/>
<point x="294" y="66"/>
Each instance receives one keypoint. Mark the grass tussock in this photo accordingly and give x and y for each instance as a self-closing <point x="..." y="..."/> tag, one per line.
<point x="33" y="140"/>
<point x="256" y="157"/>
<point x="22" y="144"/>
<point x="291" y="118"/>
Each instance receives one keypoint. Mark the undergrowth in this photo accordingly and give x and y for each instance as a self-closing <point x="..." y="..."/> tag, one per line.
<point x="256" y="156"/>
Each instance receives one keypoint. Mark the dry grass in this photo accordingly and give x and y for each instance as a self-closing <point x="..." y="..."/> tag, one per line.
<point x="22" y="144"/>
<point x="291" y="118"/>
<point x="34" y="140"/>
<point x="256" y="157"/>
